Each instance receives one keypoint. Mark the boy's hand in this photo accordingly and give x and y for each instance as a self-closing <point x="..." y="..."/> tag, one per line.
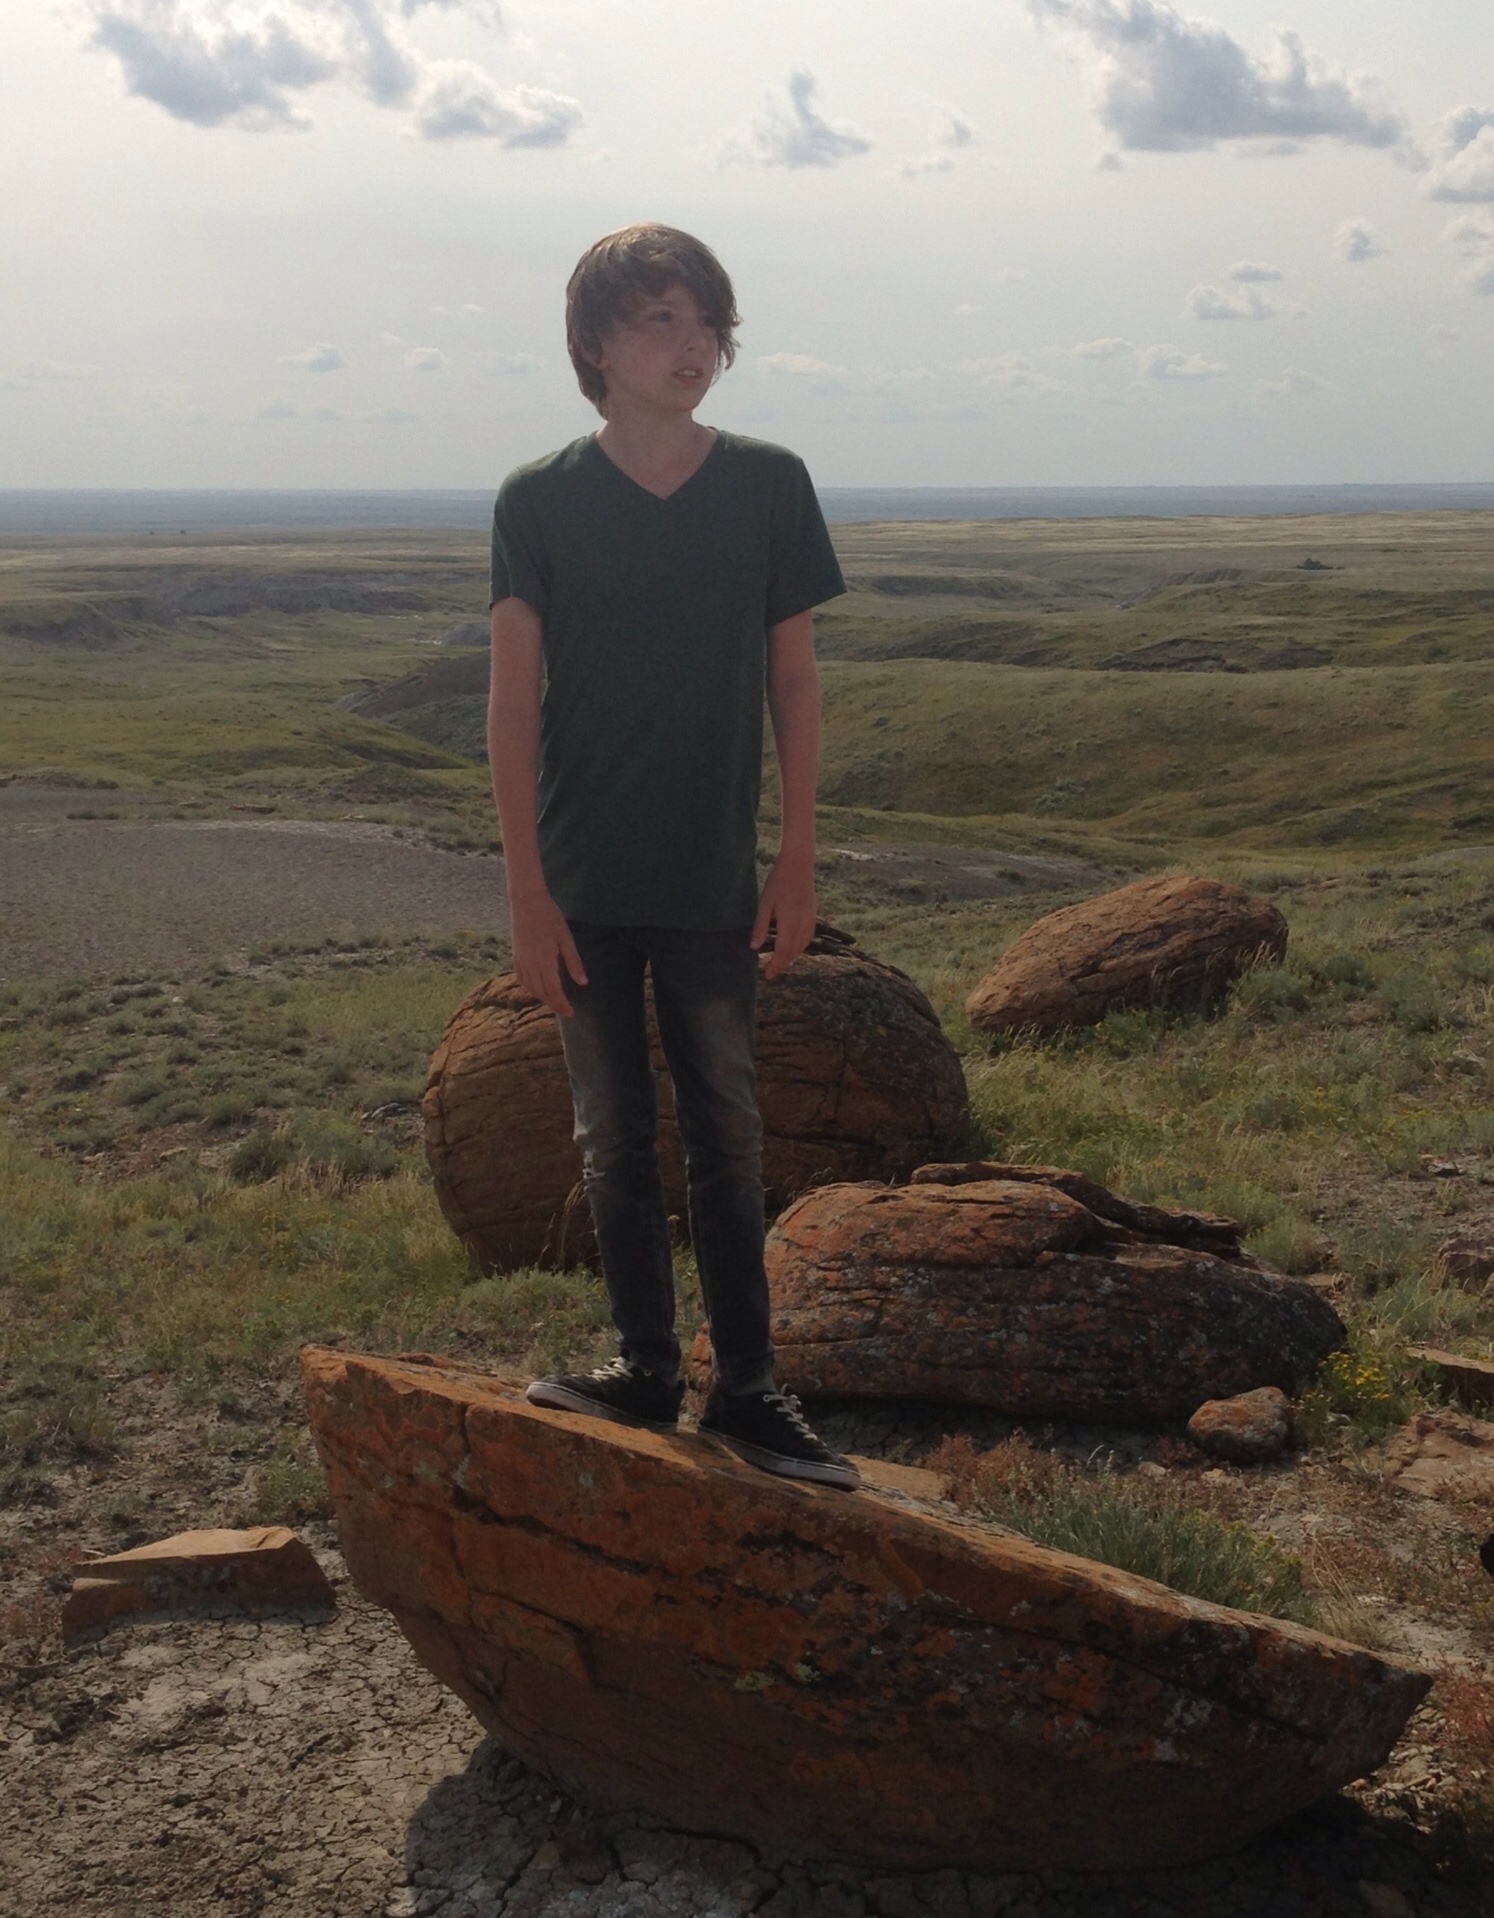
<point x="545" y="955"/>
<point x="787" y="906"/>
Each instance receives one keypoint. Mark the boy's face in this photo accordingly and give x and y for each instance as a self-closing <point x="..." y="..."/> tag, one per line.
<point x="663" y="357"/>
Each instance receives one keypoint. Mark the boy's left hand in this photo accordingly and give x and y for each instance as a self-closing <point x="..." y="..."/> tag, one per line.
<point x="787" y="907"/>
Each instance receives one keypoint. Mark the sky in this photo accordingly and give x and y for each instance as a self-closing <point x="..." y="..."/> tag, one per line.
<point x="271" y="243"/>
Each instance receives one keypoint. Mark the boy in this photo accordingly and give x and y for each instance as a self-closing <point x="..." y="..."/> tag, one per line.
<point x="654" y="577"/>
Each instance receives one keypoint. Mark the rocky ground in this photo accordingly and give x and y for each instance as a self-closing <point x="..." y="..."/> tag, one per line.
<point x="223" y="1769"/>
<point x="91" y="897"/>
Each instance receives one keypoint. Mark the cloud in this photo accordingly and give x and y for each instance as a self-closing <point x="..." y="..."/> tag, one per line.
<point x="1013" y="372"/>
<point x="322" y="358"/>
<point x="1291" y="382"/>
<point x="248" y="63"/>
<point x="1355" y="242"/>
<point x="1471" y="236"/>
<point x="512" y="365"/>
<point x="1254" y="272"/>
<point x="966" y="310"/>
<point x="799" y="366"/>
<point x="279" y="411"/>
<point x="461" y="102"/>
<point x="425" y="359"/>
<point x="954" y="137"/>
<point x="1106" y="349"/>
<point x="1214" y="303"/>
<point x="1443" y="333"/>
<point x="1465" y="170"/>
<point x="793" y="134"/>
<point x="1166" y="84"/>
<point x="1172" y="363"/>
<point x="392" y="416"/>
<point x="49" y="372"/>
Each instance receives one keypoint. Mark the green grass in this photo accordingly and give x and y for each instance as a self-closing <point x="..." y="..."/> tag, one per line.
<point x="1140" y="1525"/>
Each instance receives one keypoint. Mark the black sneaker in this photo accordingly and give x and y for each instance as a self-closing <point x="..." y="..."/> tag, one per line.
<point x="769" y="1430"/>
<point x="620" y="1391"/>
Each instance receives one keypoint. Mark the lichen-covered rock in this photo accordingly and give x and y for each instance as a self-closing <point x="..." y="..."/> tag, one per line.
<point x="855" y="1080"/>
<point x="1162" y="941"/>
<point x="1250" y="1429"/>
<point x="661" y="1628"/>
<point x="998" y="1286"/>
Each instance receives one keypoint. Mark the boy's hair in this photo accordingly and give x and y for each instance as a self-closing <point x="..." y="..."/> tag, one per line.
<point x="637" y="263"/>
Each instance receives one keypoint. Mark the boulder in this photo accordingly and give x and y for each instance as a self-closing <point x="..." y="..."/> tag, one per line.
<point x="1032" y="1291"/>
<point x="1161" y="942"/>
<point x="1468" y="1261"/>
<point x="863" y="1678"/>
<point x="1250" y="1429"/>
<point x="213" y="1574"/>
<point x="855" y="1081"/>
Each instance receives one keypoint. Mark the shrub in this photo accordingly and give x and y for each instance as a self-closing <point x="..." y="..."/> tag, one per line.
<point x="1144" y="1526"/>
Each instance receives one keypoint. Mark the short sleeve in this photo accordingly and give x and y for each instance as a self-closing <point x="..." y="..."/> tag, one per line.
<point x="802" y="567"/>
<point x="518" y="569"/>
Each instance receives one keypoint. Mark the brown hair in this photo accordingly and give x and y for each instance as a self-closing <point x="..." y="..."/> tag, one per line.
<point x="637" y="263"/>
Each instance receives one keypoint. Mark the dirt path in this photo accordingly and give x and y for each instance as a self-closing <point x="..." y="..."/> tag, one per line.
<point x="92" y="898"/>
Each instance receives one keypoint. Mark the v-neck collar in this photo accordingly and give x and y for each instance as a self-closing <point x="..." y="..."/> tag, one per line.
<point x="659" y="499"/>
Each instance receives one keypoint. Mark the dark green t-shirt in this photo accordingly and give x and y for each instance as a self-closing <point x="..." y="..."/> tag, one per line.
<point x="655" y="617"/>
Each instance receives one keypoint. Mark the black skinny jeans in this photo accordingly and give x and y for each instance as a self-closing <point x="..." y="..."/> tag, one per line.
<point x="705" y="988"/>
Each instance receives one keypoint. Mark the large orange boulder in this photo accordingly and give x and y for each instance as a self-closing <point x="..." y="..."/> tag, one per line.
<point x="861" y="1677"/>
<point x="1032" y="1291"/>
<point x="855" y="1081"/>
<point x="1160" y="942"/>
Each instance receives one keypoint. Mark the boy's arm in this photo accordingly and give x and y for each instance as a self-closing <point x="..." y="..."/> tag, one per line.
<point x="787" y="902"/>
<point x="544" y="951"/>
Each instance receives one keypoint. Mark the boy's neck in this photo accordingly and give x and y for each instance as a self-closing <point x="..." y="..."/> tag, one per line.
<point x="659" y="451"/>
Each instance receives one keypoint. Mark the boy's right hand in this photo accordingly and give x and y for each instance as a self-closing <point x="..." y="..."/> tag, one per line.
<point x="545" y="955"/>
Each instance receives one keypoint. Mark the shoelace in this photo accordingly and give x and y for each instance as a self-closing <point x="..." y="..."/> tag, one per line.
<point x="614" y="1369"/>
<point x="791" y="1410"/>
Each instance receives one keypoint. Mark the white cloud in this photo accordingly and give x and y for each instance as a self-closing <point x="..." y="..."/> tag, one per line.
<point x="1471" y="236"/>
<point x="322" y="358"/>
<point x="247" y="64"/>
<point x="461" y="102"/>
<point x="799" y="366"/>
<point x="952" y="138"/>
<point x="1290" y="383"/>
<point x="1355" y="242"/>
<point x="48" y="372"/>
<point x="1014" y="372"/>
<point x="1254" y="272"/>
<point x="792" y="134"/>
<point x="1106" y="349"/>
<point x="1443" y="334"/>
<point x="966" y="310"/>
<point x="1214" y="303"/>
<point x="425" y="359"/>
<point x="392" y="416"/>
<point x="1166" y="84"/>
<point x="1465" y="170"/>
<point x="1172" y="363"/>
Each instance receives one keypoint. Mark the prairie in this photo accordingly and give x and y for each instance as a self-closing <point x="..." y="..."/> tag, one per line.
<point x="209" y="1158"/>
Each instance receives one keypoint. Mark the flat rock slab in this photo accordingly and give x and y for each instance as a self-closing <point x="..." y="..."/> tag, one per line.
<point x="212" y="1574"/>
<point x="856" y="1677"/>
<point x="1438" y="1453"/>
<point x="1158" y="942"/>
<point x="1033" y="1292"/>
<point x="1470" y="1380"/>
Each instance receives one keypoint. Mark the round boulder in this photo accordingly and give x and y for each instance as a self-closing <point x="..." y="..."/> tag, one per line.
<point x="1164" y="941"/>
<point x="1250" y="1429"/>
<point x="1030" y="1291"/>
<point x="855" y="1080"/>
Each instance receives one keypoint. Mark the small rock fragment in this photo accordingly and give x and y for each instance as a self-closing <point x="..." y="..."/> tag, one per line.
<point x="1249" y="1429"/>
<point x="210" y="1574"/>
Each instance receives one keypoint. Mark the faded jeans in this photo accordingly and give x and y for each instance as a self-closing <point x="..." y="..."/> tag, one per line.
<point x="704" y="987"/>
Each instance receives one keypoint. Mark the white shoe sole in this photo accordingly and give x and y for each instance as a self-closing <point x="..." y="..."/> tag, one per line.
<point x="844" y="1478"/>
